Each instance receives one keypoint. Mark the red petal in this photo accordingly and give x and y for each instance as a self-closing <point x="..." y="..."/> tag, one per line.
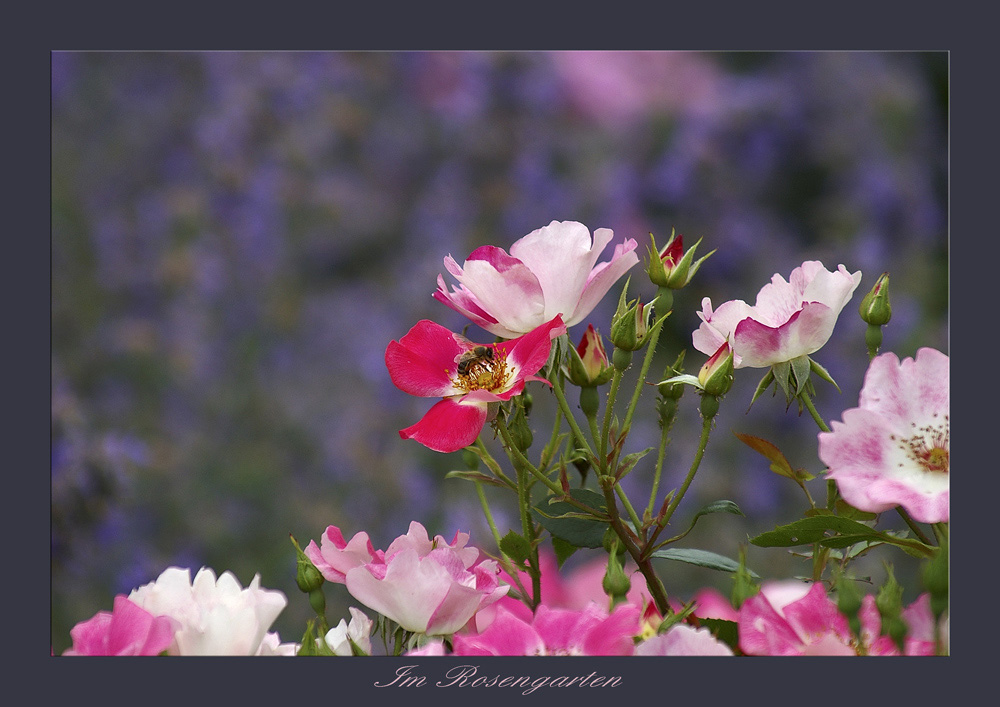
<point x="420" y="362"/>
<point x="448" y="426"/>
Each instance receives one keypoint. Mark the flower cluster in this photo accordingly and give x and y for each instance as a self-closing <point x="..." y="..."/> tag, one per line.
<point x="439" y="597"/>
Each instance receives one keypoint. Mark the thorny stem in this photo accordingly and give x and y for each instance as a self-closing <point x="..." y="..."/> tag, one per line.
<point x="661" y="452"/>
<point x="521" y="466"/>
<point x="655" y="586"/>
<point x="508" y="566"/>
<point x="706" y="430"/>
<point x="557" y="388"/>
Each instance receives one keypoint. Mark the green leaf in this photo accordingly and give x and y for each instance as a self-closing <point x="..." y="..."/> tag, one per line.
<point x="475" y="476"/>
<point x="563" y="550"/>
<point x="848" y="511"/>
<point x="701" y="558"/>
<point x="714" y="507"/>
<point x="629" y="461"/>
<point x="814" y="529"/>
<point x="725" y="631"/>
<point x="722" y="506"/>
<point x="515" y="547"/>
<point x="566" y="521"/>
<point x="810" y="530"/>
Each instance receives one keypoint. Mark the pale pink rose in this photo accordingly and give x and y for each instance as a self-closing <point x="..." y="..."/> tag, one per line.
<point x="333" y="557"/>
<point x="359" y="631"/>
<point x="588" y="631"/>
<point x="894" y="449"/>
<point x="272" y="646"/>
<point x="682" y="639"/>
<point x="127" y="629"/>
<point x="426" y="586"/>
<point x="552" y="271"/>
<point x="216" y="616"/>
<point x="789" y="319"/>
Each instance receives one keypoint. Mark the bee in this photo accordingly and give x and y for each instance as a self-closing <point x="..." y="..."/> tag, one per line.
<point x="473" y="358"/>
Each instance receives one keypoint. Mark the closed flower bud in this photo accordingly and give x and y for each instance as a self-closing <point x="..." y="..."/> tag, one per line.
<point x="588" y="363"/>
<point x="630" y="324"/>
<point x="875" y="308"/>
<point x="616" y="583"/>
<point x="673" y="391"/>
<point x="716" y="376"/>
<point x="670" y="266"/>
<point x="307" y="576"/>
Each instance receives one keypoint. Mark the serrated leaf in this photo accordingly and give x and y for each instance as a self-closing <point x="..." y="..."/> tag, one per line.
<point x="814" y="529"/>
<point x="848" y="511"/>
<point x="629" y="461"/>
<point x="810" y="530"/>
<point x="714" y="507"/>
<point x="475" y="476"/>
<point x="701" y="558"/>
<point x="725" y="631"/>
<point x="683" y="378"/>
<point x="564" y="520"/>
<point x="515" y="547"/>
<point x="562" y="549"/>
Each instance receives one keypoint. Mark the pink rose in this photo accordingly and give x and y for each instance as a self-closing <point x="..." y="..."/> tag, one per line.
<point x="126" y="630"/>
<point x="894" y="448"/>
<point x="789" y="320"/>
<point x="551" y="271"/>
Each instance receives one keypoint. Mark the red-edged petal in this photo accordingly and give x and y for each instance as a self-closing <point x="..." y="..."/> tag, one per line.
<point x="421" y="362"/>
<point x="530" y="352"/>
<point x="805" y="332"/>
<point x="448" y="426"/>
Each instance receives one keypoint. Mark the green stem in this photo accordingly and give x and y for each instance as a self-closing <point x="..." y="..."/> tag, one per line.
<point x="568" y="414"/>
<point x="831" y="486"/>
<point x="521" y="466"/>
<point x="654" y="335"/>
<point x="653" y="583"/>
<point x="628" y="507"/>
<point x="507" y="565"/>
<point x="913" y="526"/>
<point x="550" y="449"/>
<point x="807" y="401"/>
<point x="658" y="469"/>
<point x="706" y="429"/>
<point x="491" y="463"/>
<point x="616" y="380"/>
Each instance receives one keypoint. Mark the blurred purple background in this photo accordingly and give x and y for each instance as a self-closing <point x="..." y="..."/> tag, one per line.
<point x="236" y="237"/>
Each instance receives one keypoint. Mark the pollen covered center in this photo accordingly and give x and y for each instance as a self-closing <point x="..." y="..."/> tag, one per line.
<point x="929" y="447"/>
<point x="482" y="368"/>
